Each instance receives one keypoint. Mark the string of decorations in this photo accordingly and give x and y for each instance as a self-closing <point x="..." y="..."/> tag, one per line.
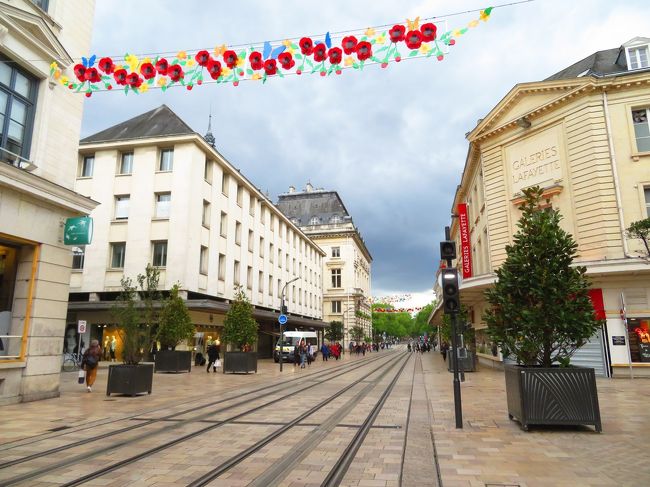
<point x="395" y="298"/>
<point x="325" y="57"/>
<point x="397" y="310"/>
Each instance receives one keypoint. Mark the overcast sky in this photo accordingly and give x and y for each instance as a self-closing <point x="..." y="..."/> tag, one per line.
<point x="390" y="141"/>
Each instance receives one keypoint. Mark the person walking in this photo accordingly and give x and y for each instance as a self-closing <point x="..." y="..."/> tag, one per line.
<point x="303" y="353"/>
<point x="89" y="363"/>
<point x="325" y="352"/>
<point x="296" y="354"/>
<point x="213" y="356"/>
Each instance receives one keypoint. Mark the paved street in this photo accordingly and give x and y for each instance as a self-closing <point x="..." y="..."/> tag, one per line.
<point x="221" y="422"/>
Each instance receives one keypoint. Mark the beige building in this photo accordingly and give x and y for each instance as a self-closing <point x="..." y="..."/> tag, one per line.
<point x="582" y="135"/>
<point x="39" y="127"/>
<point x="347" y="264"/>
<point x="168" y="198"/>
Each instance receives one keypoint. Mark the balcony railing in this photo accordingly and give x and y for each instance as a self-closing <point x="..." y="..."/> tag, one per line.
<point x="15" y="160"/>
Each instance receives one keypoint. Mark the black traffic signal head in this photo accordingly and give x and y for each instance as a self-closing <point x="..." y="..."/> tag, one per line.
<point x="450" y="294"/>
<point x="283" y="310"/>
<point x="447" y="250"/>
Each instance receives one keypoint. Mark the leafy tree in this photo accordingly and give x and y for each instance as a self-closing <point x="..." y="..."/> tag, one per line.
<point x="421" y="322"/>
<point x="175" y="324"/>
<point x="641" y="230"/>
<point x="128" y="319"/>
<point x="334" y="332"/>
<point x="541" y="312"/>
<point x="150" y="297"/>
<point x="239" y="327"/>
<point x="393" y="324"/>
<point x="357" y="332"/>
<point x="469" y="333"/>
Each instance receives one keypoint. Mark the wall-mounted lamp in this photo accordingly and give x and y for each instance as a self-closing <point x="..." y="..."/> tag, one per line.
<point x="524" y="122"/>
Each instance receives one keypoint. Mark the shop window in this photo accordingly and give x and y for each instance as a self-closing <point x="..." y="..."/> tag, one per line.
<point x="166" y="160"/>
<point x="8" y="267"/>
<point x="17" y="103"/>
<point x="78" y="255"/>
<point x="641" y="129"/>
<point x="646" y="191"/>
<point x="639" y="336"/>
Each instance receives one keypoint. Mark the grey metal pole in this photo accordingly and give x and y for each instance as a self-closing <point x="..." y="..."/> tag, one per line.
<point x="282" y="330"/>
<point x="458" y="407"/>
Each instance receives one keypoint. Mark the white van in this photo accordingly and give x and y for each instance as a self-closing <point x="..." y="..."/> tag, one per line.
<point x="291" y="339"/>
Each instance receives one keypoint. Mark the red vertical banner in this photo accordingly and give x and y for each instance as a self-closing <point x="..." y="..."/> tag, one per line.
<point x="596" y="296"/>
<point x="465" y="245"/>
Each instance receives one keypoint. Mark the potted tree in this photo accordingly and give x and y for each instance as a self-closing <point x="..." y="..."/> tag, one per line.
<point x="240" y="335"/>
<point x="174" y="326"/>
<point x="466" y="359"/>
<point x="540" y="315"/>
<point x="131" y="377"/>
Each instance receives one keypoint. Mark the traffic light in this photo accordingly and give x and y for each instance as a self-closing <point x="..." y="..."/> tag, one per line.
<point x="283" y="310"/>
<point x="447" y="250"/>
<point x="450" y="295"/>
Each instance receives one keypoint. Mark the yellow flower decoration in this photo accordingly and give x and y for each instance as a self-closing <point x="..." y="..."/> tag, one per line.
<point x="240" y="62"/>
<point x="349" y="61"/>
<point x="143" y="88"/>
<point x="146" y="60"/>
<point x="424" y="48"/>
<point x="54" y="65"/>
<point x="63" y="80"/>
<point x="190" y="62"/>
<point x="219" y="50"/>
<point x="57" y="74"/>
<point x="413" y="24"/>
<point x="370" y="32"/>
<point x="286" y="43"/>
<point x="472" y="24"/>
<point x="457" y="33"/>
<point x="133" y="61"/>
<point x="225" y="71"/>
<point x="380" y="39"/>
<point x="484" y="16"/>
<point x="162" y="81"/>
<point x="256" y="76"/>
<point x="181" y="55"/>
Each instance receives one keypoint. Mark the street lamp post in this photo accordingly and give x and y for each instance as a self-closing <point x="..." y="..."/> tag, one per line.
<point x="283" y="310"/>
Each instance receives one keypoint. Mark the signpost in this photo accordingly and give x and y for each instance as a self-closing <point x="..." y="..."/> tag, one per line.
<point x="81" y="326"/>
<point x="78" y="231"/>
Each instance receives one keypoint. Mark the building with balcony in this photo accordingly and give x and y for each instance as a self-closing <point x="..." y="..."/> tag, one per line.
<point x="170" y="199"/>
<point x="583" y="136"/>
<point x="39" y="131"/>
<point x="346" y="268"/>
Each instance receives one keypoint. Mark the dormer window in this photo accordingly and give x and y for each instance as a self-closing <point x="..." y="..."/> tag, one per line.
<point x="335" y="219"/>
<point x="314" y="220"/>
<point x="637" y="57"/>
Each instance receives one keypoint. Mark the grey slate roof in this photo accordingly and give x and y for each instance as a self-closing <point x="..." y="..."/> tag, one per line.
<point x="304" y="206"/>
<point x="160" y="122"/>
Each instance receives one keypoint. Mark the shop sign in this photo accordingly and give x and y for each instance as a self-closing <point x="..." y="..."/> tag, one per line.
<point x="534" y="160"/>
<point x="465" y="244"/>
<point x="618" y="340"/>
<point x="644" y="351"/>
<point x="78" y="231"/>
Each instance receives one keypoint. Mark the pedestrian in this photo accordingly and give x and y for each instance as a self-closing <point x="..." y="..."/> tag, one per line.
<point x="89" y="363"/>
<point x="325" y="352"/>
<point x="336" y="350"/>
<point x="443" y="350"/>
<point x="409" y="346"/>
<point x="213" y="356"/>
<point x="296" y="354"/>
<point x="303" y="353"/>
<point x="310" y="353"/>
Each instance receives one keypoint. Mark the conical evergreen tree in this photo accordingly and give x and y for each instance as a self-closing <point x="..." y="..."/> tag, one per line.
<point x="541" y="312"/>
<point x="239" y="327"/>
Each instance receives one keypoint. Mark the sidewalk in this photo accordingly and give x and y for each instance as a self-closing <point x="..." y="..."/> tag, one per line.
<point x="492" y="450"/>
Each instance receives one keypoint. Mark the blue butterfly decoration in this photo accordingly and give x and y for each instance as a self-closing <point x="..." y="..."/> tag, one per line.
<point x="270" y="52"/>
<point x="328" y="41"/>
<point x="88" y="63"/>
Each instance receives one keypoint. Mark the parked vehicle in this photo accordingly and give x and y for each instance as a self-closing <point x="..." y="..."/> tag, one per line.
<point x="291" y="339"/>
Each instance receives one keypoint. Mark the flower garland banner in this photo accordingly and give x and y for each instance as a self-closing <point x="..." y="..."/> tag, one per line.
<point x="354" y="50"/>
<point x="397" y="310"/>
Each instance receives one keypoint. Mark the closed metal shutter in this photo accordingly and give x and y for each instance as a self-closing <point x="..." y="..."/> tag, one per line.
<point x="591" y="355"/>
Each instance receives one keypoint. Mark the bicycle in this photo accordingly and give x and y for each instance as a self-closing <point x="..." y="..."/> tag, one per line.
<point x="71" y="362"/>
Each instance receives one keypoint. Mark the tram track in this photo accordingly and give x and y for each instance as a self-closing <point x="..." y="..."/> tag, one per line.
<point x="148" y="452"/>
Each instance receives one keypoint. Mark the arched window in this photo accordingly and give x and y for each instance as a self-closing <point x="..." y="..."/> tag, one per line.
<point x="314" y="220"/>
<point x="335" y="219"/>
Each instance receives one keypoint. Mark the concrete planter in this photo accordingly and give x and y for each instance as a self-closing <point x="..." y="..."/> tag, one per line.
<point x="467" y="364"/>
<point x="553" y="396"/>
<point x="129" y="379"/>
<point x="240" y="362"/>
<point x="173" y="361"/>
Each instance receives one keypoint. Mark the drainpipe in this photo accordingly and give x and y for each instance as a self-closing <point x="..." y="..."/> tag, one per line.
<point x="617" y="190"/>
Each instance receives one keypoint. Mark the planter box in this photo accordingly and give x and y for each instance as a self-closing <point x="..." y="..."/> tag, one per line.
<point x="466" y="364"/>
<point x="173" y="361"/>
<point x="554" y="396"/>
<point x="240" y="362"/>
<point x="129" y="379"/>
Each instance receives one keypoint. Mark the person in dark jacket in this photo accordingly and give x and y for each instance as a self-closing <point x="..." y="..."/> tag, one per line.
<point x="213" y="356"/>
<point x="89" y="363"/>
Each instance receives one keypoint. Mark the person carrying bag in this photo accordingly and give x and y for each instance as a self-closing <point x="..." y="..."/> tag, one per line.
<point x="90" y="362"/>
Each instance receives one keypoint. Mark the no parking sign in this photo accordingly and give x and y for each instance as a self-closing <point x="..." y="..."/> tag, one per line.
<point x="81" y="326"/>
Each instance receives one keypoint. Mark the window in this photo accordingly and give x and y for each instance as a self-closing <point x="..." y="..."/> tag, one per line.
<point x="262" y="214"/>
<point x="279" y="288"/>
<point x="163" y="201"/>
<point x="166" y="160"/>
<point x="236" y="276"/>
<point x="160" y="254"/>
<point x="641" y="129"/>
<point x="223" y="227"/>
<point x="249" y="277"/>
<point x="250" y="240"/>
<point x="205" y="219"/>
<point x="238" y="233"/>
<point x="251" y="205"/>
<point x="260" y="282"/>
<point x="336" y="277"/>
<point x="293" y="268"/>
<point x="85" y="166"/>
<point x="42" y="4"/>
<point x="335" y="219"/>
<point x="222" y="267"/>
<point x="122" y="207"/>
<point x="271" y="253"/>
<point x="336" y="251"/>
<point x="293" y="294"/>
<point x="17" y="100"/>
<point x="262" y="247"/>
<point x="224" y="183"/>
<point x="272" y="224"/>
<point x="203" y="261"/>
<point x="638" y="57"/>
<point x="240" y="195"/>
<point x="280" y="258"/>
<point x="78" y="256"/>
<point x="126" y="163"/>
<point x="314" y="220"/>
<point x="270" y="286"/>
<point x="118" y="252"/>
<point x="207" y="170"/>
<point x="646" y="190"/>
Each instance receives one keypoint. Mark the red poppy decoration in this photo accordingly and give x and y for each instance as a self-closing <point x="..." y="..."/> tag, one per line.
<point x="306" y="46"/>
<point x="270" y="67"/>
<point x="214" y="68"/>
<point x="286" y="60"/>
<point x="349" y="44"/>
<point x="202" y="58"/>
<point x="147" y="70"/>
<point x="106" y="65"/>
<point x="92" y="75"/>
<point x="414" y="39"/>
<point x="175" y="72"/>
<point x="162" y="66"/>
<point x="428" y="32"/>
<point x="255" y="60"/>
<point x="335" y="55"/>
<point x="320" y="52"/>
<point x="397" y="33"/>
<point x="230" y="58"/>
<point x="364" y="50"/>
<point x="133" y="80"/>
<point x="120" y="76"/>
<point x="80" y="72"/>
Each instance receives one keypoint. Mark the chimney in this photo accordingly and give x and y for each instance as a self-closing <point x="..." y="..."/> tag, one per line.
<point x="309" y="188"/>
<point x="292" y="189"/>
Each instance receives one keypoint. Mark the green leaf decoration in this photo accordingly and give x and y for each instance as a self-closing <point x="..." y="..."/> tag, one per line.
<point x="249" y="71"/>
<point x="164" y="88"/>
<point x="413" y="53"/>
<point x="280" y="74"/>
<point x="126" y="90"/>
<point x="298" y="56"/>
<point x="464" y="30"/>
<point x="487" y="11"/>
<point x="355" y="65"/>
<point x="364" y="38"/>
<point x="309" y="62"/>
<point x="242" y="54"/>
<point x="375" y="59"/>
<point x="381" y="49"/>
<point x="150" y="82"/>
<point x="294" y="46"/>
<point x="94" y="88"/>
<point x="183" y="63"/>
